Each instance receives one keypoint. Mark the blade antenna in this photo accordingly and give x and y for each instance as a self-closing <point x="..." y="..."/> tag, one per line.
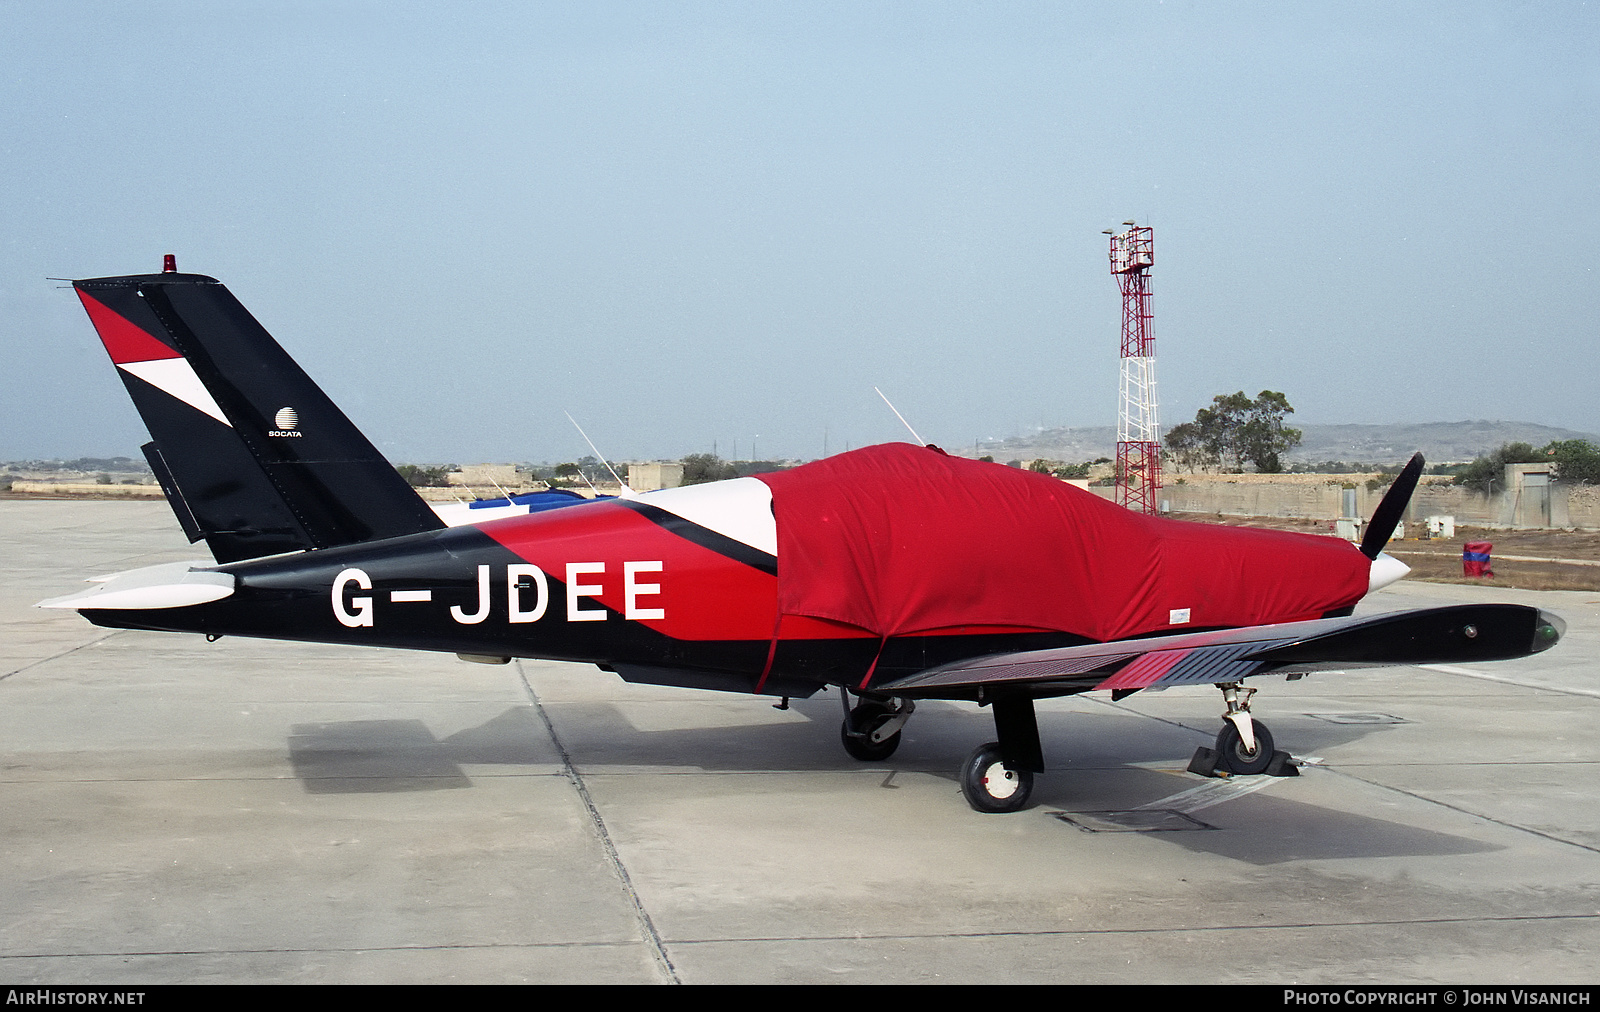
<point x="897" y="414"/>
<point x="1387" y="516"/>
<point x="627" y="492"/>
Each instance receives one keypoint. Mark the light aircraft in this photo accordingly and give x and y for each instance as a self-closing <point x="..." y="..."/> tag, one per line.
<point x="895" y="573"/>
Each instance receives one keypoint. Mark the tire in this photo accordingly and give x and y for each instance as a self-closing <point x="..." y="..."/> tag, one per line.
<point x="863" y="719"/>
<point x="989" y="786"/>
<point x="1232" y="756"/>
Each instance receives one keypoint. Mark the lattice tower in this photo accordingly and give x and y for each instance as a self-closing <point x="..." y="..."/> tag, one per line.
<point x="1138" y="474"/>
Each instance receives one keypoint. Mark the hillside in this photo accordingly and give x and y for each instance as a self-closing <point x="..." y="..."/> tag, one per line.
<point x="1440" y="442"/>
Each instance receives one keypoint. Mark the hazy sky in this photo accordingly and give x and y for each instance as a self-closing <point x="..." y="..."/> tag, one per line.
<point x="695" y="223"/>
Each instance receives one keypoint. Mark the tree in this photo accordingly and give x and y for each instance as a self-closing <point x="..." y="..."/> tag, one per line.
<point x="1385" y="477"/>
<point x="1487" y="473"/>
<point x="1264" y="437"/>
<point x="426" y="477"/>
<point x="1222" y="428"/>
<point x="746" y="468"/>
<point x="699" y="468"/>
<point x="1185" y="446"/>
<point x="593" y="469"/>
<point x="1233" y="430"/>
<point x="1576" y="460"/>
<point x="1058" y="469"/>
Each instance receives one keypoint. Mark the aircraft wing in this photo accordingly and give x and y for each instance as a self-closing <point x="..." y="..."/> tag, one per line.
<point x="1453" y="635"/>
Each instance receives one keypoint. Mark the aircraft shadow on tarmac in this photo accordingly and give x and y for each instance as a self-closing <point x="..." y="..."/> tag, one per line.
<point x="1263" y="830"/>
<point x="371" y="757"/>
<point x="383" y="756"/>
<point x="379" y="756"/>
<point x="366" y="756"/>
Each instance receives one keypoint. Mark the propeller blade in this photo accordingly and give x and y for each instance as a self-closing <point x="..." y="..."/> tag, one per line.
<point x="1387" y="516"/>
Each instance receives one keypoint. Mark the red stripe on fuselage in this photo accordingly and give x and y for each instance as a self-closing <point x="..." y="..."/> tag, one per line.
<point x="124" y="341"/>
<point x="705" y="596"/>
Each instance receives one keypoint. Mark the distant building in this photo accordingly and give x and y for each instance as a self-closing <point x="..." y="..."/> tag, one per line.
<point x="651" y="476"/>
<point x="1532" y="499"/>
<point x="504" y="475"/>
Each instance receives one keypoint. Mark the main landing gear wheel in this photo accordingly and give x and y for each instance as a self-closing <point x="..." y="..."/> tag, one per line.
<point x="989" y="786"/>
<point x="1231" y="753"/>
<point x="856" y="732"/>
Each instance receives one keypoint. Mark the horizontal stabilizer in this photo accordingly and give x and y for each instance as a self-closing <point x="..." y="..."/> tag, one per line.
<point x="172" y="585"/>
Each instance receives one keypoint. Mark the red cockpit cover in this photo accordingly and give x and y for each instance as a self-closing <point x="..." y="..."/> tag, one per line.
<point x="899" y="539"/>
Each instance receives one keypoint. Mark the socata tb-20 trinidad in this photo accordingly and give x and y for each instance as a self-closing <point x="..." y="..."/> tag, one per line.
<point x="896" y="573"/>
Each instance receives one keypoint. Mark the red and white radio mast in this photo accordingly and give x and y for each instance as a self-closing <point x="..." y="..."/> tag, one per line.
<point x="1138" y="431"/>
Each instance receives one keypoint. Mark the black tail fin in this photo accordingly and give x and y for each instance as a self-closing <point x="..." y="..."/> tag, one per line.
<point x="253" y="456"/>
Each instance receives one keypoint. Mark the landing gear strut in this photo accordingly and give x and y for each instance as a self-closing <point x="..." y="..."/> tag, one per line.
<point x="871" y="729"/>
<point x="998" y="777"/>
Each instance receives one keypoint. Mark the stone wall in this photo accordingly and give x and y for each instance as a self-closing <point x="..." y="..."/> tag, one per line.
<point x="83" y="488"/>
<point x="1319" y="497"/>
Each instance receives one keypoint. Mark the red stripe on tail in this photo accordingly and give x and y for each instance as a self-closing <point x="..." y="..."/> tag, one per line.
<point x="124" y="341"/>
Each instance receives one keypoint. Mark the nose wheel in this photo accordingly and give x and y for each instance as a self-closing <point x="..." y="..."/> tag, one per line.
<point x="1237" y="757"/>
<point x="1244" y="745"/>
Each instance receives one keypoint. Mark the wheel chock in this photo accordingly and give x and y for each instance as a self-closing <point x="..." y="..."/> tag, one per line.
<point x="1205" y="762"/>
<point x="1282" y="765"/>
